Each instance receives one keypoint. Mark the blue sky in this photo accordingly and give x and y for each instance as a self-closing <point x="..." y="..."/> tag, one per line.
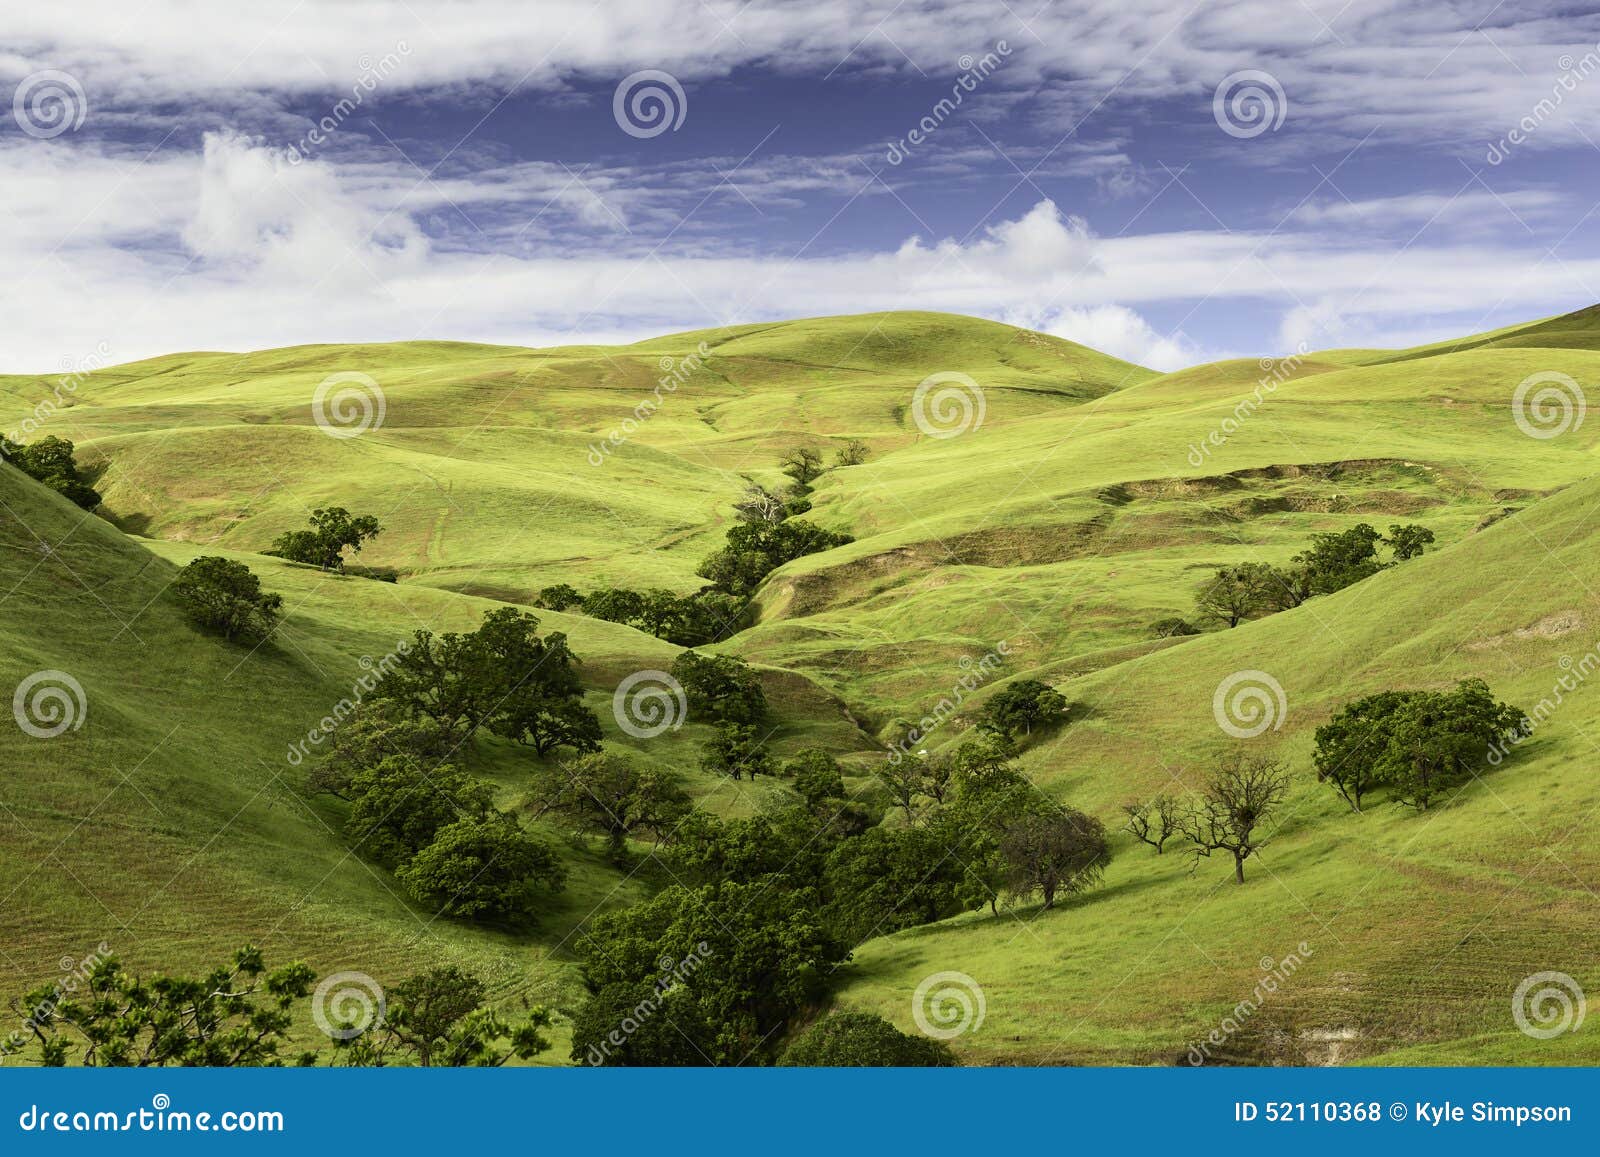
<point x="1097" y="179"/>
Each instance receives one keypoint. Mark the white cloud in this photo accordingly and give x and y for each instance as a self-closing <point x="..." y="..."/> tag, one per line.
<point x="1412" y="68"/>
<point x="1119" y="331"/>
<point x="234" y="248"/>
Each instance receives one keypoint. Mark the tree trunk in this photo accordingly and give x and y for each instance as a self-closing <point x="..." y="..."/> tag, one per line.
<point x="1238" y="869"/>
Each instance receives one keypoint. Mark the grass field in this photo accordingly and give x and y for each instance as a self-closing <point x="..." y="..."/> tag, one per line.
<point x="1087" y="503"/>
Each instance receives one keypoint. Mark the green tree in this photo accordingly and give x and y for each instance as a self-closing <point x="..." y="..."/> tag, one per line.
<point x="904" y="782"/>
<point x="1439" y="739"/>
<point x="720" y="688"/>
<point x="378" y="729"/>
<point x="1017" y="707"/>
<point x="737" y="750"/>
<point x="399" y="807"/>
<point x="1335" y="561"/>
<point x="614" y="604"/>
<point x="529" y="689"/>
<point x="221" y="595"/>
<point x="1053" y="852"/>
<point x="503" y="676"/>
<point x="744" y="959"/>
<point x="438" y="1018"/>
<point x="864" y="1040"/>
<point x="852" y="453"/>
<point x="236" y="1015"/>
<point x="560" y="597"/>
<point x="608" y="795"/>
<point x="755" y="549"/>
<point x="1352" y="749"/>
<point x="887" y="879"/>
<point x="1285" y="588"/>
<point x="1409" y="541"/>
<point x="484" y="868"/>
<point x="816" y="776"/>
<point x="51" y="461"/>
<point x="1235" y="593"/>
<point x="334" y="530"/>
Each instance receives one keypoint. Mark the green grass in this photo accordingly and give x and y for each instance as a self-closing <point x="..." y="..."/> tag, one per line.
<point x="1062" y="527"/>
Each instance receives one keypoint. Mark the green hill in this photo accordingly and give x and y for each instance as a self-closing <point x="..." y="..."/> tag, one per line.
<point x="1092" y="499"/>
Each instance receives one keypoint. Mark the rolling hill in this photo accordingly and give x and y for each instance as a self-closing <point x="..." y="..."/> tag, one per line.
<point x="1090" y="499"/>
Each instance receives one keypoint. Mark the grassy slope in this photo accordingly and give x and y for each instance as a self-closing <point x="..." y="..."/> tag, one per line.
<point x="171" y="826"/>
<point x="1064" y="525"/>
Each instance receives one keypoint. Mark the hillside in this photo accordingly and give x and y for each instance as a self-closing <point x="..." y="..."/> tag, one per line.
<point x="1090" y="501"/>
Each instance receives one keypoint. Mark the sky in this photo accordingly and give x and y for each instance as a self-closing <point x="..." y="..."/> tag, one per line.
<point x="1168" y="182"/>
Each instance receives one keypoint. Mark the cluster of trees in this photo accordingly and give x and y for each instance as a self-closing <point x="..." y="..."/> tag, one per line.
<point x="224" y="596"/>
<point x="503" y="677"/>
<point x="706" y="616"/>
<point x="333" y="532"/>
<point x="50" y="460"/>
<point x="243" y="1014"/>
<point x="419" y="814"/>
<point x="767" y="535"/>
<point x="774" y="903"/>
<point x="1417" y="744"/>
<point x="436" y="827"/>
<point x="1332" y="562"/>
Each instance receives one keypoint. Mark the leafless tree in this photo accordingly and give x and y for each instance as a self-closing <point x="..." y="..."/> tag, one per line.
<point x="1233" y="805"/>
<point x="1155" y="822"/>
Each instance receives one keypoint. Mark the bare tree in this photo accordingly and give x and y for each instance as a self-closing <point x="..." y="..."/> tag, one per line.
<point x="760" y="505"/>
<point x="1233" y="805"/>
<point x="1155" y="822"/>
